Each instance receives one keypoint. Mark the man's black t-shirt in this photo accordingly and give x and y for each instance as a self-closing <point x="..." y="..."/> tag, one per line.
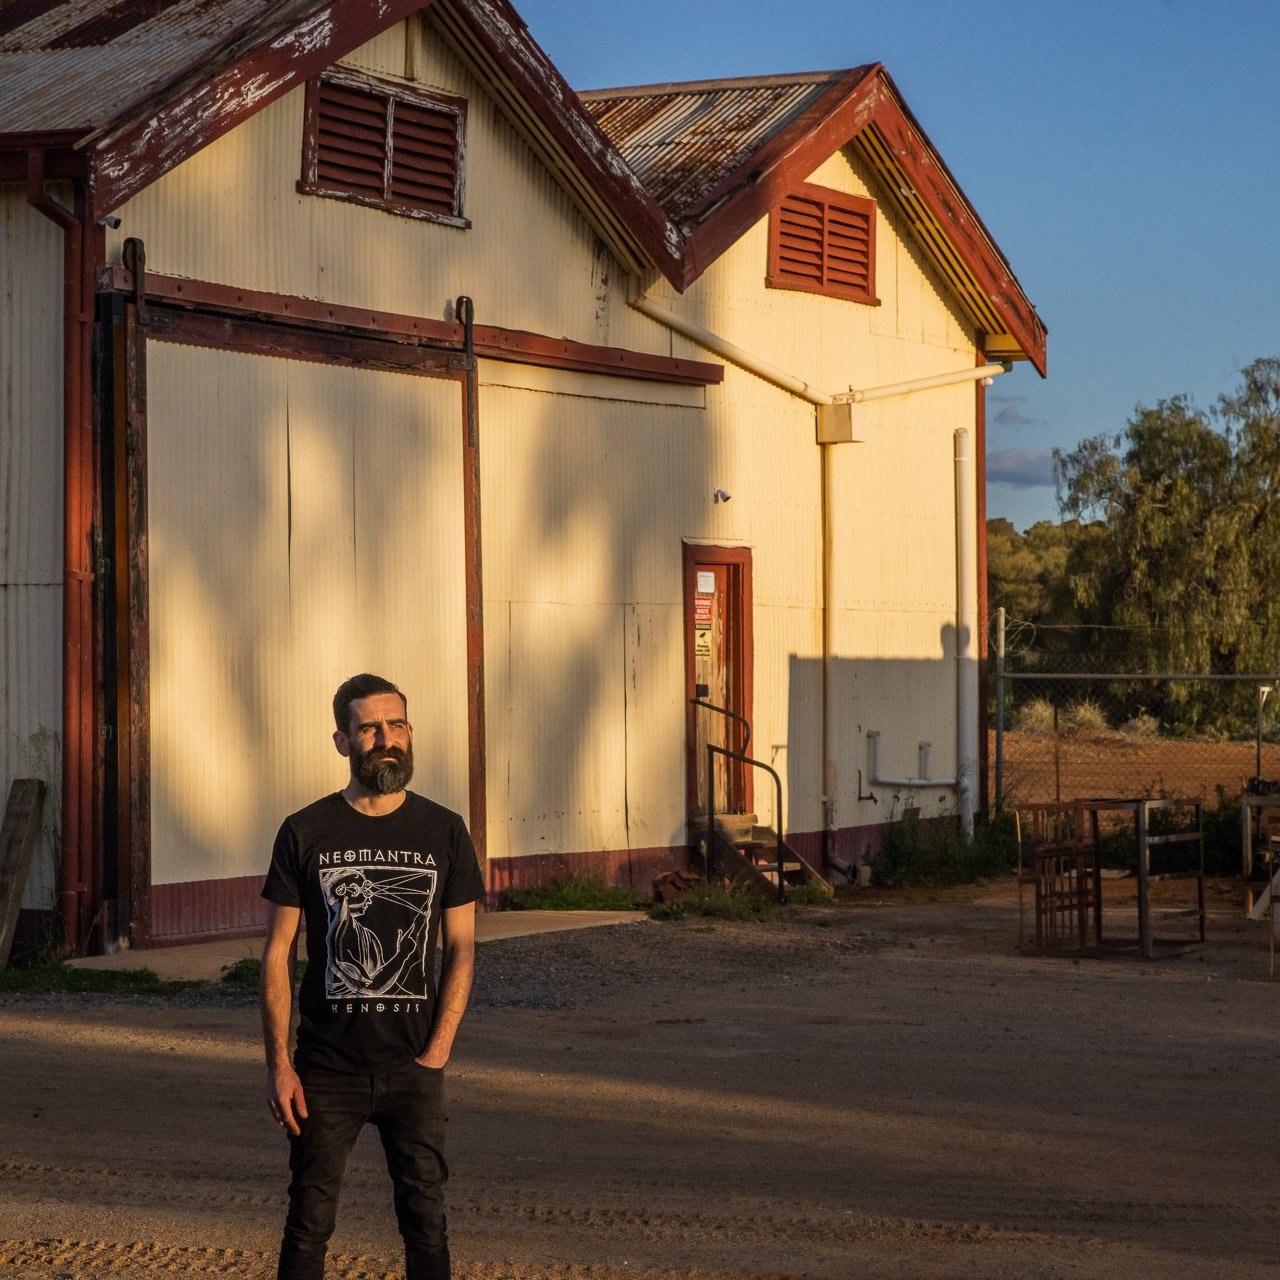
<point x="371" y="890"/>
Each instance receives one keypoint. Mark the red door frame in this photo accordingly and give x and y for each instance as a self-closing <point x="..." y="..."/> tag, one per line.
<point x="738" y="607"/>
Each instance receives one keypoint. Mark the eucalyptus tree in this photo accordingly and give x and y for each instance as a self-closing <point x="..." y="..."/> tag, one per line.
<point x="1187" y="562"/>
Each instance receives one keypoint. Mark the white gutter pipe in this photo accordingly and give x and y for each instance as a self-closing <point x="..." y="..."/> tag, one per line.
<point x="980" y="374"/>
<point x="731" y="352"/>
<point x="798" y="386"/>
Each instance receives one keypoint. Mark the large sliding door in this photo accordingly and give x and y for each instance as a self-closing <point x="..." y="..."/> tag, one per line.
<point x="305" y="522"/>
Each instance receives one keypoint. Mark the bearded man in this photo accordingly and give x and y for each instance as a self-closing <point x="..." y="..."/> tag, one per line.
<point x="379" y="873"/>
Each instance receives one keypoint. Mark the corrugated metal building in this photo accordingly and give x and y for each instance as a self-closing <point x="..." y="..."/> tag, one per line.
<point x="344" y="337"/>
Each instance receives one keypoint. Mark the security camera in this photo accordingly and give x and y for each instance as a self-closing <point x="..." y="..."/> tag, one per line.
<point x="110" y="221"/>
<point x="719" y="495"/>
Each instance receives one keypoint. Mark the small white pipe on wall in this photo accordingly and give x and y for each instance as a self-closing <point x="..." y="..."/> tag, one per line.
<point x="877" y="779"/>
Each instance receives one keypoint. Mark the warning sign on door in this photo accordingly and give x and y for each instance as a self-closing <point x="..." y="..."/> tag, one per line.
<point x="702" y="612"/>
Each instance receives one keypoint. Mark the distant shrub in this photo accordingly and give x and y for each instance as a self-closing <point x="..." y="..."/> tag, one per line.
<point x="1035" y="716"/>
<point x="1085" y="716"/>
<point x="1141" y="725"/>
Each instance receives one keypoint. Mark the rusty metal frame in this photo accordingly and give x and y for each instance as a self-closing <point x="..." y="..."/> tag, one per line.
<point x="1067" y="871"/>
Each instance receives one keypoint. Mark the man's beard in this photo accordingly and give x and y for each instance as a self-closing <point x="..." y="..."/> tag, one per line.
<point x="384" y="770"/>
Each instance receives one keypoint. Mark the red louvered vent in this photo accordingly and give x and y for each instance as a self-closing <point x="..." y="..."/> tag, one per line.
<point x="386" y="146"/>
<point x="351" y="141"/>
<point x="823" y="241"/>
<point x="424" y="157"/>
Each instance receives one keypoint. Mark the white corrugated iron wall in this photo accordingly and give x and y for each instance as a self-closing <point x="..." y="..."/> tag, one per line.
<point x="31" y="498"/>
<point x="892" y="510"/>
<point x="584" y="505"/>
<point x="529" y="259"/>
<point x="305" y="523"/>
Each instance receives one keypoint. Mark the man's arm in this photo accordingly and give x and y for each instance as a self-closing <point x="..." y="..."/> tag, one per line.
<point x="458" y="926"/>
<point x="284" y="1089"/>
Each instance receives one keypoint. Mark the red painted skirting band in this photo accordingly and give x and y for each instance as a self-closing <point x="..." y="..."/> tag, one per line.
<point x="206" y="909"/>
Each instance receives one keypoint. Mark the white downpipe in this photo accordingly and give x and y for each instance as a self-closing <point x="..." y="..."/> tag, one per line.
<point x="966" y="652"/>
<point x="730" y="351"/>
<point x="966" y="626"/>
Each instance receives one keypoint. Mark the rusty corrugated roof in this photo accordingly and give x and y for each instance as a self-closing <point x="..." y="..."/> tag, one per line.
<point x="71" y="66"/>
<point x="682" y="140"/>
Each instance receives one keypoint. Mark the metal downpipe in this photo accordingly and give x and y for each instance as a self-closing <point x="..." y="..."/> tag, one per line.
<point x="966" y="626"/>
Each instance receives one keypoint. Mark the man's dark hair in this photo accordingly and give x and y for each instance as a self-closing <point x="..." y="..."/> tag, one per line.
<point x="364" y="685"/>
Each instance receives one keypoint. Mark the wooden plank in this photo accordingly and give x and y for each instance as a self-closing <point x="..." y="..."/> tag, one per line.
<point x="22" y="817"/>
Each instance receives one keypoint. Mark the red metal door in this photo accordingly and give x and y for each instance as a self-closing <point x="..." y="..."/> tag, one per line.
<point x="717" y="601"/>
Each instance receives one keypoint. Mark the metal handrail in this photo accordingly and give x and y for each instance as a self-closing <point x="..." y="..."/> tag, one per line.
<point x="732" y="715"/>
<point x="712" y="752"/>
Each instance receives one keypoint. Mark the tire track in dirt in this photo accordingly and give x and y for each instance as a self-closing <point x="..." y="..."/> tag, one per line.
<point x="1024" y="1216"/>
<point x="54" y="1259"/>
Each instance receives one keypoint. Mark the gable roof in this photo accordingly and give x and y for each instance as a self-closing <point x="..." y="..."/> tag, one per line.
<point x="73" y="66"/>
<point x="718" y="155"/>
<point x="118" y="92"/>
<point x="122" y="91"/>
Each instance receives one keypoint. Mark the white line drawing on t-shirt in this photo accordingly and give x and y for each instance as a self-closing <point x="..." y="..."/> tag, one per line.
<point x="378" y="930"/>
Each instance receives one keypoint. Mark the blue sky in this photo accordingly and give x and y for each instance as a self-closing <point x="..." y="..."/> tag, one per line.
<point x="1125" y="155"/>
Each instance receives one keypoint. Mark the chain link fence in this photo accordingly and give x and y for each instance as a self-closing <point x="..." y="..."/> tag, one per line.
<point x="1069" y="725"/>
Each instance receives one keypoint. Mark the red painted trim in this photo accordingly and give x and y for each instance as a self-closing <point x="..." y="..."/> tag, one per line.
<point x="477" y="725"/>
<point x="60" y="161"/>
<point x="228" y="89"/>
<point x="514" y="345"/>
<point x="745" y="196"/>
<point x="310" y="183"/>
<point x="777" y="277"/>
<point x="291" y="342"/>
<point x="80" y="239"/>
<point x="933" y="182"/>
<point x="559" y="109"/>
<point x="984" y="665"/>
<point x="249" y="74"/>
<point x="739" y="559"/>
<point x="204" y="909"/>
<point x="136" y="627"/>
<point x="865" y="96"/>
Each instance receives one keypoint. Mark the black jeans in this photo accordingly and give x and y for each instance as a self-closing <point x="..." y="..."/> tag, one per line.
<point x="407" y="1105"/>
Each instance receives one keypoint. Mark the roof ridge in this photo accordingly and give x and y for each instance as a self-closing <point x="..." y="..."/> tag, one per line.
<point x="732" y="82"/>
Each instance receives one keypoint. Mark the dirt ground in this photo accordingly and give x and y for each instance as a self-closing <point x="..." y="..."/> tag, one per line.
<point x="1040" y="769"/>
<point x="884" y="1088"/>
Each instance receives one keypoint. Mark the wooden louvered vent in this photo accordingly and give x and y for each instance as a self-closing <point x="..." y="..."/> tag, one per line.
<point x="385" y="146"/>
<point x="823" y="241"/>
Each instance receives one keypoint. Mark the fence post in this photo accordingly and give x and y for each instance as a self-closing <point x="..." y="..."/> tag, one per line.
<point x="1000" y="708"/>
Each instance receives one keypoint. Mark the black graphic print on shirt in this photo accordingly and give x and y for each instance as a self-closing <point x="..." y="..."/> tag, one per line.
<point x="377" y="936"/>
